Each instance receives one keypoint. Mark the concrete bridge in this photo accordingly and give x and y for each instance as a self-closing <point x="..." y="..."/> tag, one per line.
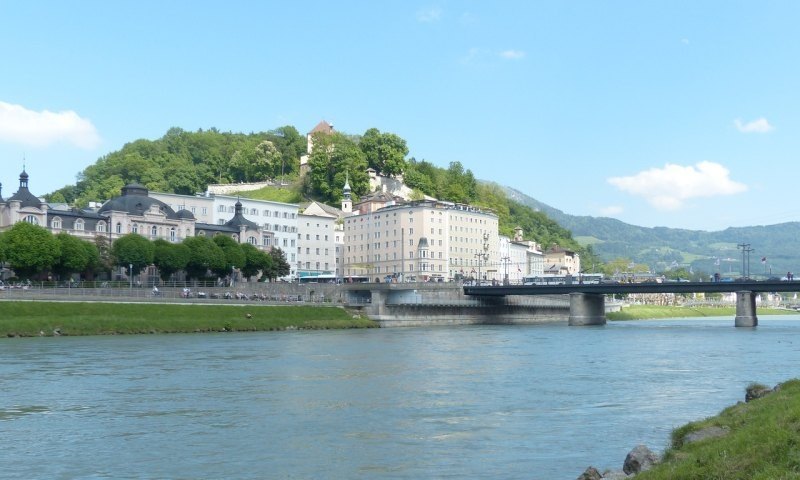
<point x="587" y="301"/>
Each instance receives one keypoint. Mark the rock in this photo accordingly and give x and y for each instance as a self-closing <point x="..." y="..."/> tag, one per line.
<point x="56" y="332"/>
<point x="640" y="459"/>
<point x="591" y="473"/>
<point x="709" y="432"/>
<point x="756" y="391"/>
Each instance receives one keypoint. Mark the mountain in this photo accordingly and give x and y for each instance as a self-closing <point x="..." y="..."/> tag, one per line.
<point x="662" y="248"/>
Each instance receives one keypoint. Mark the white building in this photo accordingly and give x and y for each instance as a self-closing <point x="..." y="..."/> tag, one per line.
<point x="316" y="240"/>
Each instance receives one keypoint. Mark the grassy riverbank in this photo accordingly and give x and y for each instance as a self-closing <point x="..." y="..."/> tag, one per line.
<point x="27" y="319"/>
<point x="644" y="312"/>
<point x="761" y="442"/>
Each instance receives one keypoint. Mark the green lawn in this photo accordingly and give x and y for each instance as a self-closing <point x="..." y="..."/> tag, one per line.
<point x="74" y="318"/>
<point x="763" y="442"/>
<point x="643" y="312"/>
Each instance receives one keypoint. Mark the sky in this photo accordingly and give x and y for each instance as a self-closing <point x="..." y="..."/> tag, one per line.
<point x="681" y="114"/>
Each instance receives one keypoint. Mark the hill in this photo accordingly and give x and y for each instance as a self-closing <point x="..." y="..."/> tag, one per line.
<point x="662" y="248"/>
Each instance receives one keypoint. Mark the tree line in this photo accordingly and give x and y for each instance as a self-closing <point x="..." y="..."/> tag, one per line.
<point x="33" y="252"/>
<point x="184" y="162"/>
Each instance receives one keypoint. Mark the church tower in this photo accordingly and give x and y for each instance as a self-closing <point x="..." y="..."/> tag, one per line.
<point x="347" y="202"/>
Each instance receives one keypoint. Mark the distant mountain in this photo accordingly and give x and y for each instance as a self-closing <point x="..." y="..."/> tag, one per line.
<point x="662" y="248"/>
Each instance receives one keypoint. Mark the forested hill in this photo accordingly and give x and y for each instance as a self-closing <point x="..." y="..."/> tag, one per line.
<point x="662" y="247"/>
<point x="186" y="162"/>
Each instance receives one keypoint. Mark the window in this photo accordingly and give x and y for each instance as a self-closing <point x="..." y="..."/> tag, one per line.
<point x="172" y="234"/>
<point x="221" y="209"/>
<point x="79" y="224"/>
<point x="119" y="227"/>
<point x="101" y="226"/>
<point x="153" y="231"/>
<point x="253" y="211"/>
<point x="135" y="228"/>
<point x="252" y="240"/>
<point x="266" y="241"/>
<point x="194" y="210"/>
<point x="266" y="213"/>
<point x="55" y="224"/>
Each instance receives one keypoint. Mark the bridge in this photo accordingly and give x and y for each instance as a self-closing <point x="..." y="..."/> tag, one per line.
<point x="587" y="301"/>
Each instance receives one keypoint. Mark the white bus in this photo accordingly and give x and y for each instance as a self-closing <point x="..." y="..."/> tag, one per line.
<point x="580" y="279"/>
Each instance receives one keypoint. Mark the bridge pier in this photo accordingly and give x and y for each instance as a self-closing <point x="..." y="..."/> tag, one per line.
<point x="746" y="309"/>
<point x="587" y="309"/>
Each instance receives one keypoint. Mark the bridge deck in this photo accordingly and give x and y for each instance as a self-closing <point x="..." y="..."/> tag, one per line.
<point x="622" y="288"/>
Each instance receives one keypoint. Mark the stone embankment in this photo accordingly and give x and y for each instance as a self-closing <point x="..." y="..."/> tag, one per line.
<point x="641" y="458"/>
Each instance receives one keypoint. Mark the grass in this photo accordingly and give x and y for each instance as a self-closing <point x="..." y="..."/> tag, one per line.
<point x="27" y="319"/>
<point x="643" y="312"/>
<point x="286" y="194"/>
<point x="763" y="442"/>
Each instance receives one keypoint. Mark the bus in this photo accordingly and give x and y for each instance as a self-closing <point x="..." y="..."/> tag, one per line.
<point x="580" y="279"/>
<point x="321" y="278"/>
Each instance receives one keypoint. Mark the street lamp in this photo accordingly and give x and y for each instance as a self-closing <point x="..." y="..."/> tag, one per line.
<point x="483" y="256"/>
<point x="130" y="275"/>
<point x="505" y="261"/>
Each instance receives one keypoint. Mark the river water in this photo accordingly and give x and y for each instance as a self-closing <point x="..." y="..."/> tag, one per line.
<point x="494" y="402"/>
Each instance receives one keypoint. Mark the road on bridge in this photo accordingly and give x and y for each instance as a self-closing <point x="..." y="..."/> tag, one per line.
<point x="623" y="288"/>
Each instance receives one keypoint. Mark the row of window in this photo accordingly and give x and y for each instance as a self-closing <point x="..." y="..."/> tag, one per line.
<point x="254" y="212"/>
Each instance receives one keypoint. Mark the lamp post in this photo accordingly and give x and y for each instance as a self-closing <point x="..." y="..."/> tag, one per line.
<point x="505" y="261"/>
<point x="483" y="256"/>
<point x="130" y="275"/>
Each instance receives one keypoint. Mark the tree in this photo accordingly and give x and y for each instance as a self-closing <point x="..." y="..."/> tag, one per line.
<point x="204" y="255"/>
<point x="232" y="254"/>
<point x="73" y="258"/>
<point x="279" y="266"/>
<point x="335" y="160"/>
<point x="30" y="249"/>
<point x="132" y="249"/>
<point x="103" y="247"/>
<point x="255" y="261"/>
<point x="385" y="152"/>
<point x="170" y="257"/>
<point x="93" y="263"/>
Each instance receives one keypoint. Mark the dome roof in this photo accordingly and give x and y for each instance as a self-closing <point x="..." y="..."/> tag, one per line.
<point x="185" y="214"/>
<point x="134" y="201"/>
<point x="23" y="195"/>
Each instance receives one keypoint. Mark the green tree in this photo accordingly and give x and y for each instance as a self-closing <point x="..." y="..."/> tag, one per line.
<point x="278" y="267"/>
<point x="385" y="152"/>
<point x="232" y="253"/>
<point x="73" y="258"/>
<point x="93" y="262"/>
<point x="132" y="249"/>
<point x="103" y="247"/>
<point x="30" y="249"/>
<point x="255" y="261"/>
<point x="205" y="255"/>
<point x="335" y="160"/>
<point x="170" y="258"/>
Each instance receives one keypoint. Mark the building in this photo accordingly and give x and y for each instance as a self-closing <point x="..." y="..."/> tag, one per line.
<point x="387" y="239"/>
<point x="319" y="227"/>
<point x="561" y="261"/>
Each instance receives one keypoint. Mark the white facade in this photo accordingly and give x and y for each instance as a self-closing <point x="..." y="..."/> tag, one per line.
<point x="419" y="241"/>
<point x="316" y="245"/>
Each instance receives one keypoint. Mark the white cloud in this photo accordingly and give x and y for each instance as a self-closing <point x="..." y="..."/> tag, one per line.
<point x="669" y="187"/>
<point x="428" y="15"/>
<point x="512" y="54"/>
<point x="760" y="125"/>
<point x="611" y="210"/>
<point x="40" y="129"/>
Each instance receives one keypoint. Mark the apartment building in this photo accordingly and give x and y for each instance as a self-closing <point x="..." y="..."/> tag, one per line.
<point x="417" y="241"/>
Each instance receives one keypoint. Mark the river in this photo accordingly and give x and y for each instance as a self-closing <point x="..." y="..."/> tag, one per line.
<point x="493" y="402"/>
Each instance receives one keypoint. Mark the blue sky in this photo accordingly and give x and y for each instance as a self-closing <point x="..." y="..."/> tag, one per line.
<point x="666" y="113"/>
